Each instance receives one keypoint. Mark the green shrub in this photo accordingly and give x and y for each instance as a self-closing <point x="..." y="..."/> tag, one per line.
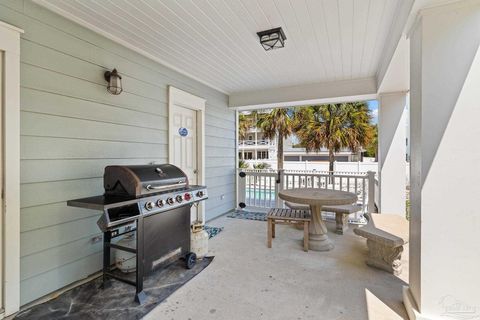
<point x="261" y="165"/>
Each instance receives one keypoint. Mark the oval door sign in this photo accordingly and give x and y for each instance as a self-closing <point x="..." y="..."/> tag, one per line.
<point x="183" y="132"/>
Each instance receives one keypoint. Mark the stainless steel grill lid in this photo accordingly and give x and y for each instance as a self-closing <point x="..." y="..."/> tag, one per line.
<point x="140" y="180"/>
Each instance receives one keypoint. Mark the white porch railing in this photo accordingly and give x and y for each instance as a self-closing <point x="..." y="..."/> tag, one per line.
<point x="258" y="189"/>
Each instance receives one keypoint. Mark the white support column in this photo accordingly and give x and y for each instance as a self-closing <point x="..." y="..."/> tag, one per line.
<point x="392" y="152"/>
<point x="445" y="160"/>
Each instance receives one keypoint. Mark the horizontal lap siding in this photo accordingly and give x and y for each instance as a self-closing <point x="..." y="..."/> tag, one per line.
<point x="71" y="128"/>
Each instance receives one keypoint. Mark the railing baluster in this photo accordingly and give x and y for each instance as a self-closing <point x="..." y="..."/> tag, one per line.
<point x="363" y="192"/>
<point x="264" y="191"/>
<point x="269" y="193"/>
<point x="272" y="189"/>
<point x="248" y="177"/>
<point x="254" y="190"/>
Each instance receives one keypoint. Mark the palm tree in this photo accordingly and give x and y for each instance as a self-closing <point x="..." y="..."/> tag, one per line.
<point x="334" y="126"/>
<point x="245" y="121"/>
<point x="371" y="149"/>
<point x="277" y="123"/>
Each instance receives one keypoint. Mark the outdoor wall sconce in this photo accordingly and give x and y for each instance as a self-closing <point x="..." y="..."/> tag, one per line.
<point x="114" y="82"/>
<point x="272" y="39"/>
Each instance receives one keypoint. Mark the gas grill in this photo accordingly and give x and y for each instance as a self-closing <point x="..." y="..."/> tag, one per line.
<point x="154" y="201"/>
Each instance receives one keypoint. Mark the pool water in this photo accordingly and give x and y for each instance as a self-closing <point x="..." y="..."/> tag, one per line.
<point x="251" y="193"/>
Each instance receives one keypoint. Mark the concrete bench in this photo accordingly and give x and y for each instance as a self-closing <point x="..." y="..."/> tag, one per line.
<point x="341" y="213"/>
<point x="386" y="235"/>
<point x="288" y="216"/>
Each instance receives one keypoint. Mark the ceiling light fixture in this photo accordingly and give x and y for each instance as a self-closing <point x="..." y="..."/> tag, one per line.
<point x="272" y="39"/>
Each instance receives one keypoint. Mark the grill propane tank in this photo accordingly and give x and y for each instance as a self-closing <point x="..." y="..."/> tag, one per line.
<point x="126" y="261"/>
<point x="199" y="240"/>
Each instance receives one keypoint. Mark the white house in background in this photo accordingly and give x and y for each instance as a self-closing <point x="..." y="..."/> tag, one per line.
<point x="292" y="152"/>
<point x="258" y="148"/>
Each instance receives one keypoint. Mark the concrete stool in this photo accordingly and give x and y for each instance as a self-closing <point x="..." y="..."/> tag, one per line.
<point x="341" y="213"/>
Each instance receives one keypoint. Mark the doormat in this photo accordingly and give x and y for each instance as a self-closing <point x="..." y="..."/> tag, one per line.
<point x="213" y="231"/>
<point x="89" y="302"/>
<point x="248" y="215"/>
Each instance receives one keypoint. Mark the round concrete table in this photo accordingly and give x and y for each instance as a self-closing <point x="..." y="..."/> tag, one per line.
<point x="316" y="198"/>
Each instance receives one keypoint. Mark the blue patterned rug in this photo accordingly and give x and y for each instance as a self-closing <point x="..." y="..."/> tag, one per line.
<point x="248" y="215"/>
<point x="89" y="302"/>
<point x="213" y="231"/>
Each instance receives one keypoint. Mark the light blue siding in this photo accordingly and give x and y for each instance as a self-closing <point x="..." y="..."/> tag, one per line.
<point x="71" y="128"/>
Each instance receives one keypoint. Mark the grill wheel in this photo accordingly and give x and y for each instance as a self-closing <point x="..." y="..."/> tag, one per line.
<point x="190" y="260"/>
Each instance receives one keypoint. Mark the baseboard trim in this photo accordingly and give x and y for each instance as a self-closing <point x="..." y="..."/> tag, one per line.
<point x="411" y="306"/>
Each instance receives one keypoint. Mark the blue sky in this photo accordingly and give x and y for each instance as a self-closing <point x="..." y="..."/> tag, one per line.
<point x="373" y="106"/>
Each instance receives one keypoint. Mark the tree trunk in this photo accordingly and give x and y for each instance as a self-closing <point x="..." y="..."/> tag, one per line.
<point x="331" y="161"/>
<point x="280" y="152"/>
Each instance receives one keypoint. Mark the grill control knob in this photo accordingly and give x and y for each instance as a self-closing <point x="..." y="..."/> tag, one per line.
<point x="200" y="194"/>
<point x="149" y="205"/>
<point x="187" y="196"/>
<point x="170" y="201"/>
<point x="179" y="198"/>
<point x="160" y="203"/>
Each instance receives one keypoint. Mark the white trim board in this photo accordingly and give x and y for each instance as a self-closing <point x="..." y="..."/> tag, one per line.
<point x="10" y="45"/>
<point x="189" y="101"/>
<point x="314" y="93"/>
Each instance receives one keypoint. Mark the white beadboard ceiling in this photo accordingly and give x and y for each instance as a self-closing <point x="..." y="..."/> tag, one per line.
<point x="215" y="41"/>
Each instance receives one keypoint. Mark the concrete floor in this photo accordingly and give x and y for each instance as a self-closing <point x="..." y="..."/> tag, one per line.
<point x="246" y="280"/>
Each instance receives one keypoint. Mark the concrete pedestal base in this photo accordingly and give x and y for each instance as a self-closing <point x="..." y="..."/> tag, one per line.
<point x="318" y="231"/>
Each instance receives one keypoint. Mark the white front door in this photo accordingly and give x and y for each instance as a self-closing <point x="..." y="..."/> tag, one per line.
<point x="185" y="148"/>
<point x="185" y="141"/>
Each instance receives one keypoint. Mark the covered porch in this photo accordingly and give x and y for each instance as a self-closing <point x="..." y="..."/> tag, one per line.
<point x="250" y="281"/>
<point x="61" y="127"/>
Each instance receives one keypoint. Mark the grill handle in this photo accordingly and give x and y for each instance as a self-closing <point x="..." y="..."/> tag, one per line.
<point x="150" y="187"/>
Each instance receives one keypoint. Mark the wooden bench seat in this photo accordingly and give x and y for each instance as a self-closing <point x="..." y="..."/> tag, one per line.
<point x="287" y="216"/>
<point x="386" y="235"/>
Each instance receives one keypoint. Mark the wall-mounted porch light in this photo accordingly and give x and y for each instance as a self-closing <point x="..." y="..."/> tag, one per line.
<point x="272" y="39"/>
<point x="114" y="82"/>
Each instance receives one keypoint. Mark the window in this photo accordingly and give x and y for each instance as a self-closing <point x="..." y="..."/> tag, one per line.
<point x="248" y="155"/>
<point x="262" y="154"/>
